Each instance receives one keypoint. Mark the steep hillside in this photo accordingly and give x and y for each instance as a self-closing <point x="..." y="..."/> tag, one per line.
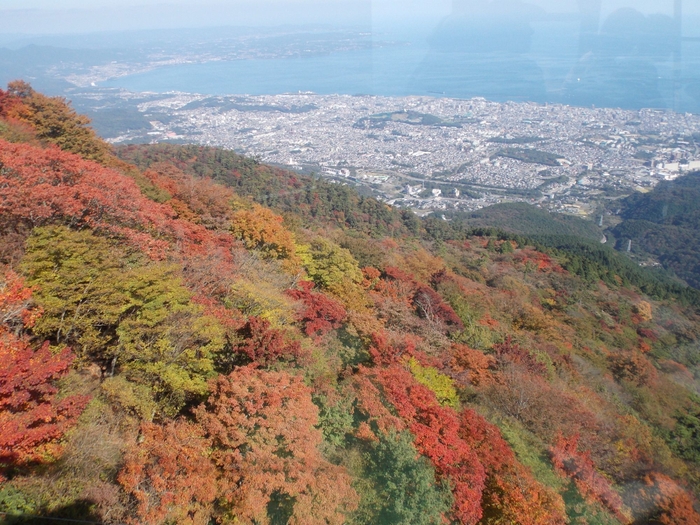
<point x="172" y="350"/>
<point x="666" y="224"/>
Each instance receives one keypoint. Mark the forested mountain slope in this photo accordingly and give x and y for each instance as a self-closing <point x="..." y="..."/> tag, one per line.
<point x="310" y="202"/>
<point x="666" y="223"/>
<point x="316" y="200"/>
<point x="523" y="219"/>
<point x="174" y="351"/>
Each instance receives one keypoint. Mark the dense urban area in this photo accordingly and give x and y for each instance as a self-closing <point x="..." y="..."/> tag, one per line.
<point x="437" y="153"/>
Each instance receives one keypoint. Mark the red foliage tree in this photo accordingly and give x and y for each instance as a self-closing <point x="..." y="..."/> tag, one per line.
<point x="45" y="185"/>
<point x="41" y="184"/>
<point x="169" y="475"/>
<point x="394" y="274"/>
<point x="436" y="430"/>
<point x="511" y="494"/>
<point x="32" y="420"/>
<point x="511" y="352"/>
<point x="400" y="286"/>
<point x="385" y="350"/>
<point x="321" y="314"/>
<point x="430" y="306"/>
<point x="15" y="305"/>
<point x="647" y="333"/>
<point x="264" y="345"/>
<point x="265" y="443"/>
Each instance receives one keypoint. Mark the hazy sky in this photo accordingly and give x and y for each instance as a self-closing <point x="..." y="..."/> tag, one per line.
<point x="68" y="16"/>
<point x="64" y="16"/>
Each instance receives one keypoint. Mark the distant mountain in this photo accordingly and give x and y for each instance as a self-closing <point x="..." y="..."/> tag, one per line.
<point x="665" y="223"/>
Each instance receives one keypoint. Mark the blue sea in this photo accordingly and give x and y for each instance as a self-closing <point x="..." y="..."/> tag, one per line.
<point x="548" y="61"/>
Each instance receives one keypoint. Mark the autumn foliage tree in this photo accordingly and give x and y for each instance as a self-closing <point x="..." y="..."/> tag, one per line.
<point x="7" y="103"/>
<point x="569" y="461"/>
<point x="193" y="198"/>
<point x="436" y="432"/>
<point x="138" y="320"/>
<point x="427" y="303"/>
<point x="511" y="352"/>
<point x="329" y="265"/>
<point x="471" y="366"/>
<point x="12" y="128"/>
<point x="78" y="276"/>
<point x="511" y="494"/>
<point x="32" y="417"/>
<point x="262" y="426"/>
<point x="321" y="314"/>
<point x="169" y="475"/>
<point x="633" y="366"/>
<point x="430" y="305"/>
<point x="42" y="186"/>
<point x="662" y="501"/>
<point x="56" y="122"/>
<point x="386" y="348"/>
<point x="264" y="345"/>
<point x="262" y="229"/>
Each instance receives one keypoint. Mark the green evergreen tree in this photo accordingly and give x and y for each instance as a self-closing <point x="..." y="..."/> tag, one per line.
<point x="403" y="490"/>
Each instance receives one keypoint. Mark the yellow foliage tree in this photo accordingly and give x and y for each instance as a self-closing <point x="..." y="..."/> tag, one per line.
<point x="441" y="385"/>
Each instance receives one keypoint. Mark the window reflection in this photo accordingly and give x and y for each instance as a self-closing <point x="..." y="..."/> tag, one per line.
<point x="585" y="52"/>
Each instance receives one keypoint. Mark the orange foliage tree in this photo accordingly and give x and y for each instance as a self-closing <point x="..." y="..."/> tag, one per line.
<point x="633" y="366"/>
<point x="662" y="501"/>
<point x="262" y="229"/>
<point x="471" y="366"/>
<point x="169" y="475"/>
<point x="7" y="103"/>
<point x="265" y="443"/>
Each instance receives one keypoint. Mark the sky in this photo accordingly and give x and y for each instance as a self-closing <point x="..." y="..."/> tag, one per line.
<point x="68" y="16"/>
<point x="76" y="16"/>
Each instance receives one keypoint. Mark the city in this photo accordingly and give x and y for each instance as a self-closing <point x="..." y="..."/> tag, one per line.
<point x="438" y="153"/>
